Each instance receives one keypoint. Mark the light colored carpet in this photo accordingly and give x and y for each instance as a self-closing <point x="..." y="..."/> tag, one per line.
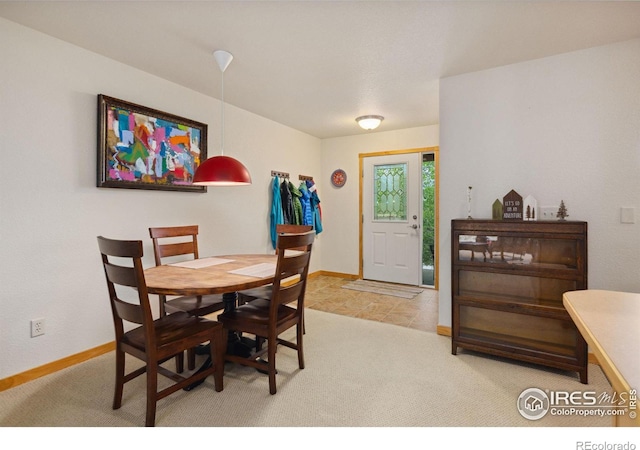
<point x="358" y="373"/>
<point x="377" y="287"/>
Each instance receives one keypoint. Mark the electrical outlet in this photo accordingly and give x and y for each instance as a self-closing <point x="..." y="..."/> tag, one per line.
<point x="37" y="327"/>
<point x="548" y="213"/>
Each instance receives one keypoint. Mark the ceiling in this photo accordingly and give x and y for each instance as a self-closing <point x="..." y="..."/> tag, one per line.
<point x="316" y="65"/>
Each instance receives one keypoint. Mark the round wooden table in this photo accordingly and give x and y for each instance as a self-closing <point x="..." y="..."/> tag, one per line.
<point x="171" y="279"/>
<point x="214" y="276"/>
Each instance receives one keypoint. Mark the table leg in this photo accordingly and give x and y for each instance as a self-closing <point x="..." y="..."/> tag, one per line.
<point x="236" y="344"/>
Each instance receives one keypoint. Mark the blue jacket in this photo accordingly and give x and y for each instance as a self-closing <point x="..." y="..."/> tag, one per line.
<point x="315" y="207"/>
<point x="277" y="217"/>
<point x="305" y="200"/>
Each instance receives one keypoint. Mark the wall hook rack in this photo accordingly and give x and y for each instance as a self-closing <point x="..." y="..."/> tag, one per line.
<point x="305" y="178"/>
<point x="277" y="173"/>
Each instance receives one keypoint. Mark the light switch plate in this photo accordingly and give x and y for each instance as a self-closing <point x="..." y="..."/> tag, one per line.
<point x="627" y="215"/>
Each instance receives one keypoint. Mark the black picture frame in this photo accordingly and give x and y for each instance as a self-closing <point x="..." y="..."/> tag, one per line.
<point x="144" y="148"/>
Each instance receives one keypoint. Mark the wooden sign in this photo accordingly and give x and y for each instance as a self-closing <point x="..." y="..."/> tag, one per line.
<point x="512" y="206"/>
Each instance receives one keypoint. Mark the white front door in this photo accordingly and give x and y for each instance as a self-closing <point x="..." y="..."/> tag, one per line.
<point x="392" y="218"/>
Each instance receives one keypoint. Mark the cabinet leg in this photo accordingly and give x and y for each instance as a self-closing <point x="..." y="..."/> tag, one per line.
<point x="583" y="376"/>
<point x="454" y="349"/>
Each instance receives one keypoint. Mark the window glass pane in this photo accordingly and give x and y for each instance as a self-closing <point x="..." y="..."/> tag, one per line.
<point x="551" y="253"/>
<point x="512" y="288"/>
<point x="390" y="192"/>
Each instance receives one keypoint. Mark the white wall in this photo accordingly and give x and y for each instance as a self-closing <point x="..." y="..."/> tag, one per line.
<point x="51" y="211"/>
<point x="560" y="128"/>
<point x="340" y="206"/>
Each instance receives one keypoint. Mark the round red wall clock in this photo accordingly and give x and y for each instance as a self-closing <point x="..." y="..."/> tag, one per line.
<point x="338" y="178"/>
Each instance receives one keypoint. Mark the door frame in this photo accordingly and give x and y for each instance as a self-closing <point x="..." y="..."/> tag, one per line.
<point x="435" y="150"/>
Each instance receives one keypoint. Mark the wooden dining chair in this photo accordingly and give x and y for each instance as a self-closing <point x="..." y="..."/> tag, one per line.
<point x="181" y="241"/>
<point x="152" y="341"/>
<point x="267" y="319"/>
<point x="169" y="242"/>
<point x="264" y="292"/>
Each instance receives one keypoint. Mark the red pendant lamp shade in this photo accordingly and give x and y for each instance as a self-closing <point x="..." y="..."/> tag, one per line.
<point x="221" y="171"/>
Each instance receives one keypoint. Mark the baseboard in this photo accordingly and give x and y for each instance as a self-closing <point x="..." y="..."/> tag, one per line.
<point x="348" y="276"/>
<point x="46" y="369"/>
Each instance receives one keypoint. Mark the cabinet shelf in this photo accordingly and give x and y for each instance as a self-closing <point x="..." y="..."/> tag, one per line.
<point x="540" y="348"/>
<point x="508" y="279"/>
<point x="498" y="301"/>
<point x="552" y="268"/>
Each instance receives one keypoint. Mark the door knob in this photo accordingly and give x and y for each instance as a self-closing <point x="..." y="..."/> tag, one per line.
<point x="414" y="226"/>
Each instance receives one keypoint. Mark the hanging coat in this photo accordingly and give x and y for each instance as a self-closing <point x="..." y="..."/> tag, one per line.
<point x="287" y="202"/>
<point x="315" y="206"/>
<point x="305" y="200"/>
<point x="297" y="205"/>
<point x="276" y="209"/>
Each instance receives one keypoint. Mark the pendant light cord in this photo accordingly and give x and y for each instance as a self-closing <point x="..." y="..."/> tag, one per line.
<point x="223" y="58"/>
<point x="222" y="118"/>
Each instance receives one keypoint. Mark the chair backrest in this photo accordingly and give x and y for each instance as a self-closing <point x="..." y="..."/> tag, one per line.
<point x="291" y="265"/>
<point x="288" y="228"/>
<point x="291" y="229"/>
<point x="165" y="244"/>
<point x="122" y="262"/>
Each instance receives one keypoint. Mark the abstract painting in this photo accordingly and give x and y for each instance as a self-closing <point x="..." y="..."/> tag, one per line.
<point x="143" y="148"/>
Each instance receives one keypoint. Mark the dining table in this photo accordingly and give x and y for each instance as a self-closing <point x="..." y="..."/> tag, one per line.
<point x="225" y="274"/>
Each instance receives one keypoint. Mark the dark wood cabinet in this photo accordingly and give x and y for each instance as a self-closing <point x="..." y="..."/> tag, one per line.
<point x="507" y="284"/>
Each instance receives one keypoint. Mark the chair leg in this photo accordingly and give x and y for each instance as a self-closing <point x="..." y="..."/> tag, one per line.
<point x="117" y="396"/>
<point x="218" y="347"/>
<point x="162" y="299"/>
<point x="259" y="343"/>
<point x="152" y="393"/>
<point x="304" y="326"/>
<point x="271" y="352"/>
<point x="191" y="358"/>
<point x="180" y="362"/>
<point x="299" y="334"/>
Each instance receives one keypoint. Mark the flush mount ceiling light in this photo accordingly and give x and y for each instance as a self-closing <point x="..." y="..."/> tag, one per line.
<point x="222" y="170"/>
<point x="369" y="122"/>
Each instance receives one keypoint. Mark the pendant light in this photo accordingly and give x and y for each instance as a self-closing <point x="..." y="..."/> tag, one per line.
<point x="222" y="170"/>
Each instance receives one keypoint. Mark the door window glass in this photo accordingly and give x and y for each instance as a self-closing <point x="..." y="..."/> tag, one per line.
<point x="390" y="192"/>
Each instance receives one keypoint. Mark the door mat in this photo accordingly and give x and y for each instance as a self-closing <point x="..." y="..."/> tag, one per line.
<point x="377" y="287"/>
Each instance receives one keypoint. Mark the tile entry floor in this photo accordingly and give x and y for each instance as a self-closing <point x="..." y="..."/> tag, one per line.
<point x="325" y="293"/>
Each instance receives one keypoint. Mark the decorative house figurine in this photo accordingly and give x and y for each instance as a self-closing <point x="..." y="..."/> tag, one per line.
<point x="512" y="206"/>
<point x="496" y="210"/>
<point x="562" y="211"/>
<point x="530" y="207"/>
